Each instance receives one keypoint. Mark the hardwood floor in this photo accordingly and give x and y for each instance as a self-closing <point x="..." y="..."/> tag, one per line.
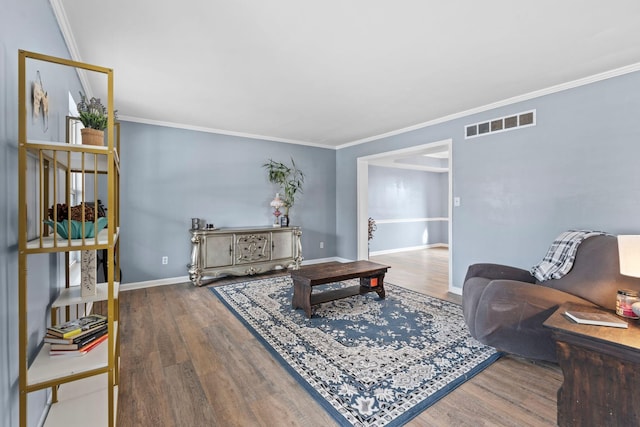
<point x="187" y="361"/>
<point x="425" y="271"/>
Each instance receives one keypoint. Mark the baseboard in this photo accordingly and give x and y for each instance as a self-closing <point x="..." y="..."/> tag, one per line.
<point x="182" y="279"/>
<point x="152" y="283"/>
<point x="410" y="248"/>
<point x="321" y="260"/>
<point x="456" y="291"/>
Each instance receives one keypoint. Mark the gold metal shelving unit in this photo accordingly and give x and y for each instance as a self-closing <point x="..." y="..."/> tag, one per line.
<point x="85" y="388"/>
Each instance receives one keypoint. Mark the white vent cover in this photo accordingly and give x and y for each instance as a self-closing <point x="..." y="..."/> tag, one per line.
<point x="501" y="124"/>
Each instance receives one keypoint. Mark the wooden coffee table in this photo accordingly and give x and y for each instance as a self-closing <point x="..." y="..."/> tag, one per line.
<point x="370" y="273"/>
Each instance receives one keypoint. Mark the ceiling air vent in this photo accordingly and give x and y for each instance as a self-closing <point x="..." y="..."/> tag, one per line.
<point x="501" y="124"/>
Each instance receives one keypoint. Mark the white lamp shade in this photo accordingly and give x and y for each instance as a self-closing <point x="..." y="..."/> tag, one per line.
<point x="629" y="252"/>
<point x="277" y="202"/>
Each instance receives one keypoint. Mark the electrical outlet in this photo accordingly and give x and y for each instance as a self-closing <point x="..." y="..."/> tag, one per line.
<point x="321" y="245"/>
<point x="165" y="260"/>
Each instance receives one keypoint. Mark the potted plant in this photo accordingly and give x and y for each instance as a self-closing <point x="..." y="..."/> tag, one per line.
<point x="94" y="117"/>
<point x="289" y="179"/>
<point x="371" y="229"/>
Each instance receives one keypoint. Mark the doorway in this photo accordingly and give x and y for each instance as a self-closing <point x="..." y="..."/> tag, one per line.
<point x="408" y="158"/>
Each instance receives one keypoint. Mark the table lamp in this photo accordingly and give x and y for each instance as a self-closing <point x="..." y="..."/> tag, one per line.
<point x="629" y="253"/>
<point x="277" y="203"/>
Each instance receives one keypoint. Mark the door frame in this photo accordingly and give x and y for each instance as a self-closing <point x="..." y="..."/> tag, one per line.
<point x="362" y="195"/>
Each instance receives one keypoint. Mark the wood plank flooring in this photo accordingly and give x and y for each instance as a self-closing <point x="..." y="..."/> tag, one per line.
<point x="187" y="361"/>
<point x="425" y="271"/>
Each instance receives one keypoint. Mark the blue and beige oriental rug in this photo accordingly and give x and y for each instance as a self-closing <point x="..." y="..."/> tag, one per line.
<point x="367" y="361"/>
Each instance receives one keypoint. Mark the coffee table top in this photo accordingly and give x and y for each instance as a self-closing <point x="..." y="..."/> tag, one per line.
<point x="324" y="273"/>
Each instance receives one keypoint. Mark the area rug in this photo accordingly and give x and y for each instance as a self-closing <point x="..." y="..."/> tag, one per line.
<point x="367" y="361"/>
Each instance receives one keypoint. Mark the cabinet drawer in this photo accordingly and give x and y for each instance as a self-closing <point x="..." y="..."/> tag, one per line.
<point x="282" y="245"/>
<point x="218" y="251"/>
<point x="252" y="248"/>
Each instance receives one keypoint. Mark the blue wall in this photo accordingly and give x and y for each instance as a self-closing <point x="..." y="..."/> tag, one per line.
<point x="172" y="175"/>
<point x="519" y="189"/>
<point x="576" y="168"/>
<point x="28" y="25"/>
<point x="403" y="194"/>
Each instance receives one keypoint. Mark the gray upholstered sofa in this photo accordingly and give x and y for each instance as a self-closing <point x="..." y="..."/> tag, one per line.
<point x="504" y="307"/>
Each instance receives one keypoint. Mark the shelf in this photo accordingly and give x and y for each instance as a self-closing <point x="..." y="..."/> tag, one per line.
<point x="47" y="368"/>
<point x="51" y="173"/>
<point x="63" y="244"/>
<point x="92" y="154"/>
<point x="85" y="402"/>
<point x="71" y="296"/>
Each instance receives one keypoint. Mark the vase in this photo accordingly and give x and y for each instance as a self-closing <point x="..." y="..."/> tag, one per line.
<point x="88" y="273"/>
<point x="92" y="136"/>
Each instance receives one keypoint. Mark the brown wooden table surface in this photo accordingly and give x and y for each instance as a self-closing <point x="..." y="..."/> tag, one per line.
<point x="334" y="272"/>
<point x="619" y="337"/>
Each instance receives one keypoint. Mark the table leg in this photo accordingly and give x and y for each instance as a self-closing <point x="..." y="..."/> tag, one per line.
<point x="380" y="291"/>
<point x="373" y="284"/>
<point x="302" y="296"/>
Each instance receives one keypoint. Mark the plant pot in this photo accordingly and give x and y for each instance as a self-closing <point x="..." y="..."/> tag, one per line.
<point x="92" y="136"/>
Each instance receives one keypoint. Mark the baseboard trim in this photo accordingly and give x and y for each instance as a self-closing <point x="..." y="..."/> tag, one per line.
<point x="151" y="283"/>
<point x="321" y="260"/>
<point x="182" y="279"/>
<point x="407" y="249"/>
<point x="456" y="291"/>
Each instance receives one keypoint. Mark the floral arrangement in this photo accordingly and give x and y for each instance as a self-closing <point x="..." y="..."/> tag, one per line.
<point x="92" y="113"/>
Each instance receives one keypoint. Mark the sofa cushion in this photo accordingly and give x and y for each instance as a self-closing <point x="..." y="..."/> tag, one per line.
<point x="595" y="275"/>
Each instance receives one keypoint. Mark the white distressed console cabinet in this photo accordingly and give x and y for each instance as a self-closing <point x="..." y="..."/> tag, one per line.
<point x="243" y="251"/>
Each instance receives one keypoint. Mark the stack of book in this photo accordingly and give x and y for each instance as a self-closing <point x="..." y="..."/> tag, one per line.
<point x="77" y="337"/>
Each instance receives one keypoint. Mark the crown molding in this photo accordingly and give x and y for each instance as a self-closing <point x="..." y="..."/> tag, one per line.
<point x="220" y="131"/>
<point x="70" y="41"/>
<point x="63" y="23"/>
<point x="513" y="100"/>
<point x="389" y="163"/>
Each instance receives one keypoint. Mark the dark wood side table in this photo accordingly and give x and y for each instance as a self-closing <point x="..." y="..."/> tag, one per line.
<point x="601" y="367"/>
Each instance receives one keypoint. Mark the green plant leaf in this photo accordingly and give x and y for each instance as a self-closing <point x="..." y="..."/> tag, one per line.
<point x="289" y="179"/>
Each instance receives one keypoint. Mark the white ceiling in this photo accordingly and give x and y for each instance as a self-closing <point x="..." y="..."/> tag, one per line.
<point x="337" y="72"/>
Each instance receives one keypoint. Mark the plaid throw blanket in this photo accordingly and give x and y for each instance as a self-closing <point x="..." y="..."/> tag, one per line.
<point x="559" y="258"/>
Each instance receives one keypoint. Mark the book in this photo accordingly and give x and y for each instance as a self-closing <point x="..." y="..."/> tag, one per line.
<point x="76" y="326"/>
<point x="51" y="339"/>
<point x="597" y="319"/>
<point x="81" y="351"/>
<point x="86" y="339"/>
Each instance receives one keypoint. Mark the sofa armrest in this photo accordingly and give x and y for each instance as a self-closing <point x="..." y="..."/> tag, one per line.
<point x="499" y="272"/>
<point x="510" y="317"/>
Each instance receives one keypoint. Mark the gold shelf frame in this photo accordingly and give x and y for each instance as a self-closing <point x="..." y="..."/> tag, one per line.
<point x="47" y="154"/>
